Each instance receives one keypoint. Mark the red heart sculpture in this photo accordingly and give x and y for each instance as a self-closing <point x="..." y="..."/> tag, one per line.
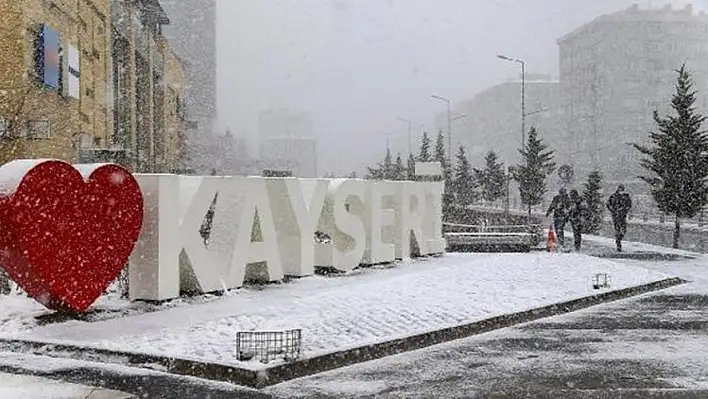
<point x="65" y="237"/>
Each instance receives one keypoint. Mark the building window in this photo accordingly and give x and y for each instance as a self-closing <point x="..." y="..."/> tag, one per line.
<point x="654" y="104"/>
<point x="4" y="132"/>
<point x="85" y="141"/>
<point x="652" y="47"/>
<point x="38" y="129"/>
<point x="656" y="27"/>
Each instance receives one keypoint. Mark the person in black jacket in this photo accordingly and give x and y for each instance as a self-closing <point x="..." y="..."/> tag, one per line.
<point x="619" y="206"/>
<point x="577" y="214"/>
<point x="559" y="207"/>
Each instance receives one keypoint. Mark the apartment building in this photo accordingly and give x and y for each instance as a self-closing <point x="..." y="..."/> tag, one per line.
<point x="192" y="35"/>
<point x="614" y="72"/>
<point x="55" y="69"/>
<point x="492" y="118"/>
<point x="286" y="138"/>
<point x="298" y="153"/>
<point x="149" y="91"/>
<point x="90" y="81"/>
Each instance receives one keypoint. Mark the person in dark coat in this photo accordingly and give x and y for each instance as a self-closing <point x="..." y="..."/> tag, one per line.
<point x="559" y="207"/>
<point x="619" y="206"/>
<point x="577" y="214"/>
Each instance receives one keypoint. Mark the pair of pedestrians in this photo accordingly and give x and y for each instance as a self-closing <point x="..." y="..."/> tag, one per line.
<point x="568" y="208"/>
<point x="573" y="208"/>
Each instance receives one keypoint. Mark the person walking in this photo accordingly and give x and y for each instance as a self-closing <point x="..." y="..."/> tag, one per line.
<point x="577" y="214"/>
<point x="619" y="206"/>
<point x="559" y="207"/>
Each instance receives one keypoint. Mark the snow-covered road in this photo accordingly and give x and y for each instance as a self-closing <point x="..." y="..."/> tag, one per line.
<point x="13" y="386"/>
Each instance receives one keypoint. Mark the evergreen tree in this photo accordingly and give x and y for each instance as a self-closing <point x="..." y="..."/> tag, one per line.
<point x="382" y="170"/>
<point x="387" y="166"/>
<point x="375" y="172"/>
<point x="399" y="169"/>
<point x="677" y="157"/>
<point x="410" y="168"/>
<point x="536" y="164"/>
<point x="439" y="155"/>
<point x="463" y="185"/>
<point x="424" y="155"/>
<point x="592" y="194"/>
<point x="352" y="175"/>
<point x="492" y="178"/>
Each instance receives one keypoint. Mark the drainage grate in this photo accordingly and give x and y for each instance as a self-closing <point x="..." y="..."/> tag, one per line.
<point x="266" y="346"/>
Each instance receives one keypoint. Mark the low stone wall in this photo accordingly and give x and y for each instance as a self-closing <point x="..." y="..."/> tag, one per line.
<point x="660" y="234"/>
<point x="492" y="217"/>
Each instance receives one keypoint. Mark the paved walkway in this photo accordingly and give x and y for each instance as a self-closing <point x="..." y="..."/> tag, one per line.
<point x="14" y="386"/>
<point x="366" y="306"/>
<point x="652" y="346"/>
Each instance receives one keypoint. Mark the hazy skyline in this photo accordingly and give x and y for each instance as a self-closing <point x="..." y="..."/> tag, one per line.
<point x="356" y="66"/>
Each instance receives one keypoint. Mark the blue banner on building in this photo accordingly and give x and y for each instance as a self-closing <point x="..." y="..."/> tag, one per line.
<point x="48" y="64"/>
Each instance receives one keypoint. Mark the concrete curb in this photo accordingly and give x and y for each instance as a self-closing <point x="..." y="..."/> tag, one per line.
<point x="284" y="372"/>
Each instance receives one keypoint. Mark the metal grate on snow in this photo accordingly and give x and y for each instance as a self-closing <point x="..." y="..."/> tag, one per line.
<point x="265" y="346"/>
<point x="600" y="280"/>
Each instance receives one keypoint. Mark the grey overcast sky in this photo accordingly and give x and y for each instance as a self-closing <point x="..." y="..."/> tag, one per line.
<point x="356" y="65"/>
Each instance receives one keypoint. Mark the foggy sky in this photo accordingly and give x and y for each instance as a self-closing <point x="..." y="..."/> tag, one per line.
<point x="356" y="65"/>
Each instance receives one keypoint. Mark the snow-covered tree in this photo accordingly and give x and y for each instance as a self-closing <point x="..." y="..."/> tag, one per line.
<point x="410" y="168"/>
<point x="463" y="183"/>
<point x="592" y="194"/>
<point x="676" y="158"/>
<point x="439" y="154"/>
<point x="491" y="178"/>
<point x="383" y="170"/>
<point x="536" y="164"/>
<point x="424" y="155"/>
<point x="399" y="169"/>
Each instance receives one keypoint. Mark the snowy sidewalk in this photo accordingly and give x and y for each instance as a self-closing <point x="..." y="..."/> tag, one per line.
<point x="361" y="308"/>
<point x="13" y="386"/>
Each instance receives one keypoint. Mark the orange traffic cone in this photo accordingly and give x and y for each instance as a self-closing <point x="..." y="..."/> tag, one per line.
<point x="551" y="242"/>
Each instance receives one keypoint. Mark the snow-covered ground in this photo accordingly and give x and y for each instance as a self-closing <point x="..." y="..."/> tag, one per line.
<point x="360" y="308"/>
<point x="647" y="346"/>
<point x="13" y="386"/>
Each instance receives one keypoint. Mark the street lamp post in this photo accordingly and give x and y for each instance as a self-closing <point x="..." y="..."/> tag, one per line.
<point x="408" y="121"/>
<point x="449" y="122"/>
<point x="508" y="180"/>
<point x="523" y="95"/>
